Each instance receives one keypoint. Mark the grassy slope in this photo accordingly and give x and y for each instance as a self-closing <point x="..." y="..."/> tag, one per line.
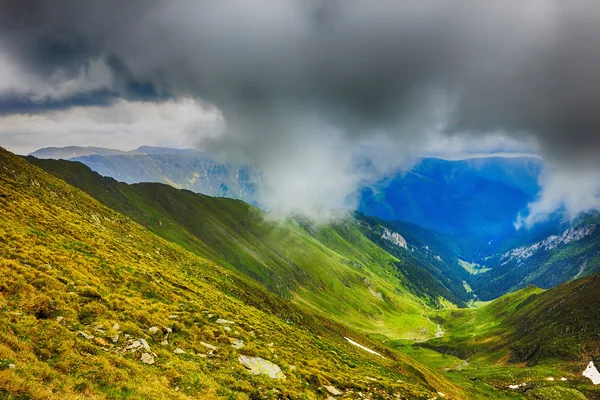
<point x="63" y="254"/>
<point x="330" y="268"/>
<point x="527" y="336"/>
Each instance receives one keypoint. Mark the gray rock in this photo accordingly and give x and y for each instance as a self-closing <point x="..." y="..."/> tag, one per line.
<point x="147" y="358"/>
<point x="260" y="366"/>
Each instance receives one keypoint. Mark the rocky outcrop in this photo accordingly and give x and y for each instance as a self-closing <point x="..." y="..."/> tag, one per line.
<point x="394" y="237"/>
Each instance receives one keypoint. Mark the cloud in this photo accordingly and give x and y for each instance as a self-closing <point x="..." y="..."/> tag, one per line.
<point x="124" y="124"/>
<point x="306" y="84"/>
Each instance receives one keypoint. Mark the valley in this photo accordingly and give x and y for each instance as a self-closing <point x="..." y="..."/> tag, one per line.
<point x="211" y="285"/>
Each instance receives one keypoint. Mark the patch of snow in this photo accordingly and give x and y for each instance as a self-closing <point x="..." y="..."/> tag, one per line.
<point x="363" y="347"/>
<point x="516" y="386"/>
<point x="592" y="373"/>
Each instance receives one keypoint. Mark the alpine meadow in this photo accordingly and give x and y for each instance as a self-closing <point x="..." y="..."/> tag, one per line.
<point x="299" y="199"/>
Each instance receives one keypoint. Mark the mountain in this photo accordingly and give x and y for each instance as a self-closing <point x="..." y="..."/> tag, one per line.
<point x="94" y="305"/>
<point x="112" y="290"/>
<point x="534" y="337"/>
<point x="557" y="258"/>
<point x="345" y="268"/>
<point x="181" y="168"/>
<point x="477" y="197"/>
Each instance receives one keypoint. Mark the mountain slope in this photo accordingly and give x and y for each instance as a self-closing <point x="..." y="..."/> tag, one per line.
<point x="572" y="253"/>
<point x="470" y="197"/>
<point x="181" y="168"/>
<point x="531" y="324"/>
<point x="334" y="268"/>
<point x="93" y="305"/>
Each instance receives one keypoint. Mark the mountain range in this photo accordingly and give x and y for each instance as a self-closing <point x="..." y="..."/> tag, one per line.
<point x="140" y="290"/>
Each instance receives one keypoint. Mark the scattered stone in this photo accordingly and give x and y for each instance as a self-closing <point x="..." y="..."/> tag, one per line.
<point x="173" y="316"/>
<point x="333" y="390"/>
<point x="115" y="338"/>
<point x="201" y="355"/>
<point x="147" y="358"/>
<point x="228" y="329"/>
<point x="59" y="319"/>
<point x="116" y="326"/>
<point x="86" y="335"/>
<point x="563" y="379"/>
<point x="224" y="321"/>
<point x="550" y="379"/>
<point x="11" y="366"/>
<point x="169" y="330"/>
<point x="165" y="342"/>
<point x="209" y="346"/>
<point x="153" y="330"/>
<point x="258" y="366"/>
<point x="178" y="351"/>
<point x="135" y="344"/>
<point x="237" y="343"/>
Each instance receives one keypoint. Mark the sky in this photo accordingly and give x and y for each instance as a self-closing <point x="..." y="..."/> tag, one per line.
<point x="304" y="88"/>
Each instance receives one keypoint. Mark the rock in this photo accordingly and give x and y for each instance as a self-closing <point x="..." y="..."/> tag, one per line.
<point x="258" y="366"/>
<point x="178" y="351"/>
<point x="333" y="390"/>
<point x="59" y="319"/>
<point x="153" y="330"/>
<point x="135" y="344"/>
<point x="11" y="366"/>
<point x="224" y="321"/>
<point x="116" y="326"/>
<point x="165" y="342"/>
<point x="86" y="335"/>
<point x="237" y="343"/>
<point x="147" y="358"/>
<point x="145" y="344"/>
<point x="115" y="338"/>
<point x="169" y="330"/>
<point x="209" y="346"/>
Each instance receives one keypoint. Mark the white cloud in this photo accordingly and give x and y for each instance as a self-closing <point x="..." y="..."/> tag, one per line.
<point x="123" y="125"/>
<point x="566" y="189"/>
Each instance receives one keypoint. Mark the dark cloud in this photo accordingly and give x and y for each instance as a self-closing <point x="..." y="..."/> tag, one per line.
<point x="355" y="69"/>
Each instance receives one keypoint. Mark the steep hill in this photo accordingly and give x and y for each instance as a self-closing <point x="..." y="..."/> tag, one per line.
<point x="531" y="325"/>
<point x="568" y="254"/>
<point x="342" y="268"/>
<point x="93" y="305"/>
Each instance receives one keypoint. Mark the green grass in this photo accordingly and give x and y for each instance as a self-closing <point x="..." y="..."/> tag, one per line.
<point x="333" y="269"/>
<point x="68" y="264"/>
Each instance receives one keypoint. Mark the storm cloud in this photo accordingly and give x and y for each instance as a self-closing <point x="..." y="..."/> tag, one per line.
<point x="302" y="86"/>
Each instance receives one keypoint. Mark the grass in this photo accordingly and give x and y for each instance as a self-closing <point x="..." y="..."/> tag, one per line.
<point x="80" y="284"/>
<point x="330" y="268"/>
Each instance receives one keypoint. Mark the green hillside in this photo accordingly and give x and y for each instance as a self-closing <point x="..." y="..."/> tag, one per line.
<point x="342" y="269"/>
<point x="93" y="305"/>
<point x="530" y="337"/>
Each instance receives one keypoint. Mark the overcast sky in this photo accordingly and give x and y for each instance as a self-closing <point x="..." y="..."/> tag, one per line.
<point x="300" y="87"/>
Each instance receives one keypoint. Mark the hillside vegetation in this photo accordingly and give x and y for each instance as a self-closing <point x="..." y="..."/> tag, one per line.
<point x="93" y="305"/>
<point x="343" y="269"/>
